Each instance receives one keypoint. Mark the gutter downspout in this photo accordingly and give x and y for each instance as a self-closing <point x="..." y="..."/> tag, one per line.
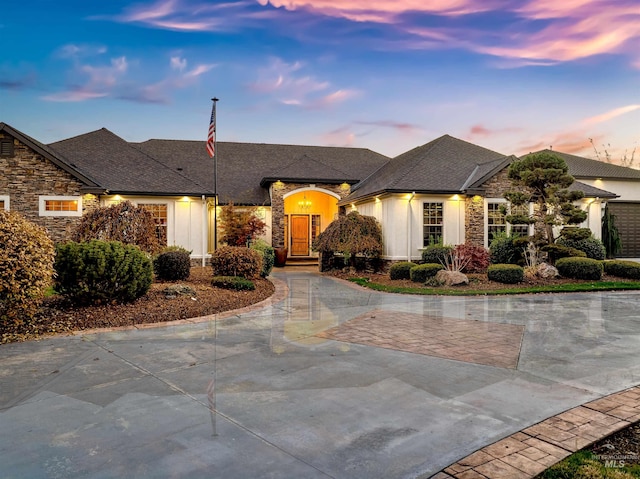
<point x="409" y="232"/>
<point x="205" y="228"/>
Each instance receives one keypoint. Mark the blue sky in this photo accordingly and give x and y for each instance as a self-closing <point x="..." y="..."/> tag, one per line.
<point x="510" y="75"/>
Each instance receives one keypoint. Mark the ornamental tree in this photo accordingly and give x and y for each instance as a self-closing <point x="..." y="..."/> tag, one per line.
<point x="239" y="224"/>
<point x="543" y="179"/>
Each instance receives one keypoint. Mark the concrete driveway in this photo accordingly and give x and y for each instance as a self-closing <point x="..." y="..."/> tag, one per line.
<point x="332" y="381"/>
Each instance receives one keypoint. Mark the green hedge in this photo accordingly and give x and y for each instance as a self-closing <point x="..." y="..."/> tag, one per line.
<point x="506" y="273"/>
<point x="422" y="272"/>
<point x="622" y="269"/>
<point x="268" y="256"/>
<point x="401" y="270"/>
<point x="436" y="253"/>
<point x="233" y="282"/>
<point x="580" y="268"/>
<point x="102" y="272"/>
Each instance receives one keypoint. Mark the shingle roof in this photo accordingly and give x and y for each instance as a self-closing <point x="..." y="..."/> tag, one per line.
<point x="444" y="165"/>
<point x="121" y="168"/>
<point x="580" y="167"/>
<point x="242" y="167"/>
<point x="90" y="185"/>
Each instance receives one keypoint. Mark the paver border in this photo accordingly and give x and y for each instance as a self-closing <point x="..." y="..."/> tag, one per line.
<point x="528" y="452"/>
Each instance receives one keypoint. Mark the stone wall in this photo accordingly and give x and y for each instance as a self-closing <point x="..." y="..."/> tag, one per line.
<point x="495" y="187"/>
<point x="27" y="175"/>
<point x="278" y="190"/>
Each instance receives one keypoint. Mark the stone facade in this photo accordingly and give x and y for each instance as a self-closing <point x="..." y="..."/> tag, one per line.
<point x="27" y="175"/>
<point x="278" y="190"/>
<point x="495" y="187"/>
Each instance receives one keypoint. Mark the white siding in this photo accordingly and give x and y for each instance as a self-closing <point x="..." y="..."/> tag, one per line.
<point x="628" y="190"/>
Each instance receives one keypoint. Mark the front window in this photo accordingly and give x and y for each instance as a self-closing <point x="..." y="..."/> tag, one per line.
<point x="433" y="215"/>
<point x="315" y="227"/>
<point x="159" y="213"/>
<point x="60" y="206"/>
<point x="496" y="221"/>
<point x="521" y="210"/>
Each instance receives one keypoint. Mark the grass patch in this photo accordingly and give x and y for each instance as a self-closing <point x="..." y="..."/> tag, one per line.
<point x="585" y="464"/>
<point x="556" y="288"/>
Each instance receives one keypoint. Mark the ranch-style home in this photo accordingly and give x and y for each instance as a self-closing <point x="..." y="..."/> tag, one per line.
<point x="447" y="190"/>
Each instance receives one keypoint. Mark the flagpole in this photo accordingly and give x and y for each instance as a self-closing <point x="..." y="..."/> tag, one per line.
<point x="215" y="173"/>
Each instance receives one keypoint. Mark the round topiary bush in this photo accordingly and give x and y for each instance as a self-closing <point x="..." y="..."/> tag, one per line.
<point x="622" y="269"/>
<point x="506" y="273"/>
<point x="237" y="261"/>
<point x="26" y="268"/>
<point x="436" y="253"/>
<point x="268" y="256"/>
<point x="102" y="272"/>
<point x="592" y="247"/>
<point x="401" y="270"/>
<point x="172" y="265"/>
<point x="422" y="272"/>
<point x="580" y="268"/>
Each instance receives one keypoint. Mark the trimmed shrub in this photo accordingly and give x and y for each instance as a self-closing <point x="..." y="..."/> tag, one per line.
<point x="172" y="265"/>
<point x="268" y="256"/>
<point x="26" y="268"/>
<point x="122" y="222"/>
<point x="478" y="257"/>
<point x="592" y="247"/>
<point x="102" y="272"/>
<point x="436" y="253"/>
<point x="622" y="269"/>
<point x="236" y="261"/>
<point x="233" y="282"/>
<point x="574" y="233"/>
<point x="401" y="270"/>
<point x="503" y="250"/>
<point x="506" y="273"/>
<point x="557" y="251"/>
<point x="580" y="268"/>
<point x="422" y="272"/>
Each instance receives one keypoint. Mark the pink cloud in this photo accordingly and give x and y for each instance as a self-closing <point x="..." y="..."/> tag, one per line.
<point x="611" y="114"/>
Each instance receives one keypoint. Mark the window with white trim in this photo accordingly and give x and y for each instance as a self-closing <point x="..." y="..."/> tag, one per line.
<point x="496" y="221"/>
<point x="60" y="205"/>
<point x="433" y="219"/>
<point x="4" y="202"/>
<point x="159" y="211"/>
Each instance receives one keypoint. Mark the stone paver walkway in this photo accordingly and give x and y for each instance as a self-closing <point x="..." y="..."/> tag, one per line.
<point x="478" y="342"/>
<point x="531" y="451"/>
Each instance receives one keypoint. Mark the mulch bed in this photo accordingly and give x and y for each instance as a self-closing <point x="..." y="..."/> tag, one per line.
<point x="58" y="316"/>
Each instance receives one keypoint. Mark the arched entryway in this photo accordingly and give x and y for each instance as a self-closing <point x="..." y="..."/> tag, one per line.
<point x="307" y="212"/>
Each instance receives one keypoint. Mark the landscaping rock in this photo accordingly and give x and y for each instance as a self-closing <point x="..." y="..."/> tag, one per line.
<point x="451" y="278"/>
<point x="545" y="271"/>
<point x="178" y="290"/>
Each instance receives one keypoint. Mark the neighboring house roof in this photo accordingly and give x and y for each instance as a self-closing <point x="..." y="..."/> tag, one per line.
<point x="122" y="169"/>
<point x="244" y="167"/>
<point x="444" y="165"/>
<point x="580" y="167"/>
<point x="89" y="184"/>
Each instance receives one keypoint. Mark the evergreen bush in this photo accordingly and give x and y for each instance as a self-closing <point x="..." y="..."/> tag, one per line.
<point x="622" y="269"/>
<point x="233" y="282"/>
<point x="580" y="268"/>
<point x="98" y="272"/>
<point x="237" y="261"/>
<point x="506" y="273"/>
<point x="503" y="250"/>
<point x="556" y="251"/>
<point x="436" y="253"/>
<point x="268" y="256"/>
<point x="422" y="272"/>
<point x="26" y="268"/>
<point x="592" y="247"/>
<point x="401" y="270"/>
<point x="172" y="265"/>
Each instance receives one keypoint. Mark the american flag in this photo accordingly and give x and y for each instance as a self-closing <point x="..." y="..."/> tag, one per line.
<point x="211" y="137"/>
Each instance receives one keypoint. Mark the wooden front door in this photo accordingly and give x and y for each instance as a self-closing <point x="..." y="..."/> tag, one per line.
<point x="299" y="235"/>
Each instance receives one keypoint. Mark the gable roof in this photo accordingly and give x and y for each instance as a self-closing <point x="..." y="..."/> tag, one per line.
<point x="120" y="168"/>
<point x="244" y="168"/>
<point x="580" y="167"/>
<point x="444" y="165"/>
<point x="89" y="184"/>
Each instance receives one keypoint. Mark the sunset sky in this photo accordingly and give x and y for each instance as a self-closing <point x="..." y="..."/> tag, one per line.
<point x="510" y="75"/>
